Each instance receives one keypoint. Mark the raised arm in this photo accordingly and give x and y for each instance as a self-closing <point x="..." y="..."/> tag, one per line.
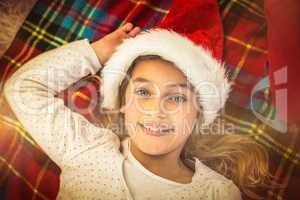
<point x="31" y="92"/>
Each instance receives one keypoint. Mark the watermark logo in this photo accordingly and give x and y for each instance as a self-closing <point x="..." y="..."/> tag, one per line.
<point x="279" y="122"/>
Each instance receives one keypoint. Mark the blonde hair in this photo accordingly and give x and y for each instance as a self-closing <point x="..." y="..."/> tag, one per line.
<point x="237" y="157"/>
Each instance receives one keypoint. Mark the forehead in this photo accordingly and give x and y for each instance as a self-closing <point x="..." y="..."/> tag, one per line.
<point x="160" y="73"/>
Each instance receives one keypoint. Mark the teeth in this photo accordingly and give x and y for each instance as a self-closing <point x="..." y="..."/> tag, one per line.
<point x="158" y="129"/>
<point x="152" y="129"/>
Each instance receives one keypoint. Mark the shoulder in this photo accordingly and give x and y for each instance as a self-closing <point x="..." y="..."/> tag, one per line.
<point x="218" y="186"/>
<point x="226" y="191"/>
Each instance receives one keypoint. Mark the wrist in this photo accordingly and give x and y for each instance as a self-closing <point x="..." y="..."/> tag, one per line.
<point x="99" y="52"/>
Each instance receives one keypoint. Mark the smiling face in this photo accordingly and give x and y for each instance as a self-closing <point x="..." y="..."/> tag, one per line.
<point x="160" y="108"/>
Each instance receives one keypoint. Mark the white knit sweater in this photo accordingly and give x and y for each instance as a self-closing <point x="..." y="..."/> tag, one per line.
<point x="89" y="157"/>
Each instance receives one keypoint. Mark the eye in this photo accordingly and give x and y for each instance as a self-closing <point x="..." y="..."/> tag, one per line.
<point x="178" y="98"/>
<point x="142" y="92"/>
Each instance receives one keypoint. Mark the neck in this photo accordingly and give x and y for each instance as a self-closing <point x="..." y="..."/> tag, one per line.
<point x="161" y="164"/>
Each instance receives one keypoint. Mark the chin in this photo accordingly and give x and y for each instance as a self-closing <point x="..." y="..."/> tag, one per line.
<point x="152" y="146"/>
<point x="152" y="151"/>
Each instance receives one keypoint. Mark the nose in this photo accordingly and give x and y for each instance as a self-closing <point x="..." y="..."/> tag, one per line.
<point x="154" y="107"/>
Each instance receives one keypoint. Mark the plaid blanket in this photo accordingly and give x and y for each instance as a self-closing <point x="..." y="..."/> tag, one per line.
<point x="27" y="173"/>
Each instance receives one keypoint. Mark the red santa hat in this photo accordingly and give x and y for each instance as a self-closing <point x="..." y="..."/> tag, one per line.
<point x="191" y="36"/>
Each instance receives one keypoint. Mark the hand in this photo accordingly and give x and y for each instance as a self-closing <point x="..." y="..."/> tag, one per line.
<point x="105" y="47"/>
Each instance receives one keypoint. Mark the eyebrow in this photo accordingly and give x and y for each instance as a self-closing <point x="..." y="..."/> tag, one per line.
<point x="168" y="85"/>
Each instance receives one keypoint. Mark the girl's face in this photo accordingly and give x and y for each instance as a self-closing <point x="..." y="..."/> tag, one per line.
<point x="161" y="107"/>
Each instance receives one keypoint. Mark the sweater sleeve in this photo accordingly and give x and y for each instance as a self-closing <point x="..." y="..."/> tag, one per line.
<point x="30" y="92"/>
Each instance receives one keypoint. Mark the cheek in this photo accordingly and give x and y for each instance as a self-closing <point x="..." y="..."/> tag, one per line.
<point x="185" y="122"/>
<point x="131" y="108"/>
<point x="131" y="115"/>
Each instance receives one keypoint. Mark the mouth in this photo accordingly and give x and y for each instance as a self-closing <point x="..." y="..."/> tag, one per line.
<point x="156" y="130"/>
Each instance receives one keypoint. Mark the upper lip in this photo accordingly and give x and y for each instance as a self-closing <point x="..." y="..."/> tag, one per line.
<point x="157" y="125"/>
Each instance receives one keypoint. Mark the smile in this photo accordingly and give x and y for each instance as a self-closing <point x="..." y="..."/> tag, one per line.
<point x="156" y="131"/>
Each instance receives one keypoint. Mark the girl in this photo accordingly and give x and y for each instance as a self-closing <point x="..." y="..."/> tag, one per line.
<point x="161" y="155"/>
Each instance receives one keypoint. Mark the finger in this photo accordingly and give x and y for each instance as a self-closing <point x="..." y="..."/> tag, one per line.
<point x="126" y="36"/>
<point x="134" y="31"/>
<point x="127" y="27"/>
<point x="122" y="32"/>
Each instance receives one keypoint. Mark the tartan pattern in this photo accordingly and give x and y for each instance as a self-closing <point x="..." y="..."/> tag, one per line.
<point x="54" y="23"/>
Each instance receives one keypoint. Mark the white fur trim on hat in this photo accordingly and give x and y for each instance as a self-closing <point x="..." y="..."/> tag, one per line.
<point x="203" y="71"/>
